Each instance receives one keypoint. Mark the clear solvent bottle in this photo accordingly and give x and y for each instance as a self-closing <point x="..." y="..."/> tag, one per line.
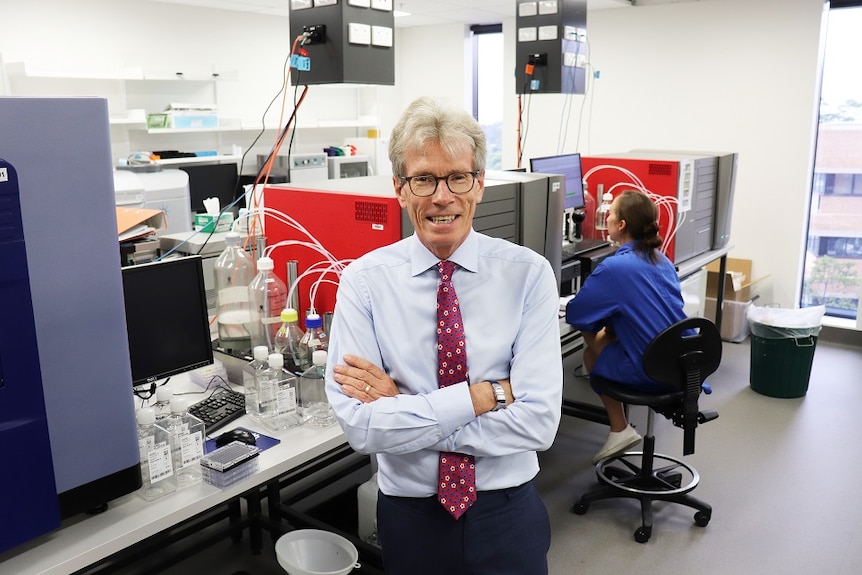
<point x="288" y="339"/>
<point x="316" y="409"/>
<point x="157" y="471"/>
<point x="313" y="339"/>
<point x="250" y="373"/>
<point x="267" y="296"/>
<point x="233" y="271"/>
<point x="603" y="210"/>
<point x="283" y="411"/>
<point x="185" y="434"/>
<point x="164" y="394"/>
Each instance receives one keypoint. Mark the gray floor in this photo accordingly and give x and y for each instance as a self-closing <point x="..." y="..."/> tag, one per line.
<point x="782" y="475"/>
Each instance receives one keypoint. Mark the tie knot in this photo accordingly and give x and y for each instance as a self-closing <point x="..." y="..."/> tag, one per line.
<point x="446" y="268"/>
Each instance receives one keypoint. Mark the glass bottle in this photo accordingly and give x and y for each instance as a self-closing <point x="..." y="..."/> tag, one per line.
<point x="288" y="339"/>
<point x="603" y="210"/>
<point x="315" y="338"/>
<point x="267" y="297"/>
<point x="234" y="270"/>
<point x="312" y="393"/>
<point x="282" y="384"/>
<point x="163" y="402"/>
<point x="250" y="373"/>
<point x="185" y="435"/>
<point x="157" y="472"/>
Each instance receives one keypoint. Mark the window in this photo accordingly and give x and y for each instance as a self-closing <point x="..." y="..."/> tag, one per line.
<point x="488" y="88"/>
<point x="833" y="259"/>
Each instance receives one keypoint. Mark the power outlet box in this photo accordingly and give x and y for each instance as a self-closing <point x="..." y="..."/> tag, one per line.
<point x="316" y="33"/>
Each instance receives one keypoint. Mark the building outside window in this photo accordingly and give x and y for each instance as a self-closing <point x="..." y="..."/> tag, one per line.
<point x="833" y="259"/>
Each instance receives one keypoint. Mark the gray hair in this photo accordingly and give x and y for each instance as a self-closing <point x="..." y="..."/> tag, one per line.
<point x="426" y="121"/>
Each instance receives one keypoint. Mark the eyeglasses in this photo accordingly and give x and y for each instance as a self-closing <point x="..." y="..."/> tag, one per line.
<point x="457" y="182"/>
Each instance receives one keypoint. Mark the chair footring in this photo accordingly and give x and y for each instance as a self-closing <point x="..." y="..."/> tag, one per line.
<point x="660" y="475"/>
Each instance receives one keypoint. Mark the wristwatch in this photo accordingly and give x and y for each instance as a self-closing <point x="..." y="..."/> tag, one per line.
<point x="499" y="393"/>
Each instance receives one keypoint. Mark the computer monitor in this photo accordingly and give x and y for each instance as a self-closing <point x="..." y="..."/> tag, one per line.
<point x="569" y="165"/>
<point x="211" y="181"/>
<point x="166" y="318"/>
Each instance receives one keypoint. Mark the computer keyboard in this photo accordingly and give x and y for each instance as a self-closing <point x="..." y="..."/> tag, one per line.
<point x="219" y="409"/>
<point x="574" y="249"/>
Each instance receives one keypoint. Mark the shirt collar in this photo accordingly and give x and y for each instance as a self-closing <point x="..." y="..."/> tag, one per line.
<point x="466" y="256"/>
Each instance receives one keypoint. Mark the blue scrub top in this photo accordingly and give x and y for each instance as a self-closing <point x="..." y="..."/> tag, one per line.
<point x="635" y="299"/>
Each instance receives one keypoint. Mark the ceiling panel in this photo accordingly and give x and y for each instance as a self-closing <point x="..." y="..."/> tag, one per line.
<point x="422" y="12"/>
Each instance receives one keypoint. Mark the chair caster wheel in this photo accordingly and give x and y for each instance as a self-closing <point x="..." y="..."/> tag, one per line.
<point x="642" y="534"/>
<point x="701" y="518"/>
<point x="580" y="508"/>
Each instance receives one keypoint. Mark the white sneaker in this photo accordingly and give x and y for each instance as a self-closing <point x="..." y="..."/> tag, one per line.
<point x="618" y="441"/>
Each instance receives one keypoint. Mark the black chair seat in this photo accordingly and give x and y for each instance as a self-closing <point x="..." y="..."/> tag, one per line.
<point x="681" y="357"/>
<point x="624" y="393"/>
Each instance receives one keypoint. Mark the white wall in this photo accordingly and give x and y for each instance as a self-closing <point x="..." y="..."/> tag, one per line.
<point x="729" y="75"/>
<point x="724" y="75"/>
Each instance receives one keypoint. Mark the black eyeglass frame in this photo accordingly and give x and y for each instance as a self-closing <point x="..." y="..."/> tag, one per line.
<point x="409" y="180"/>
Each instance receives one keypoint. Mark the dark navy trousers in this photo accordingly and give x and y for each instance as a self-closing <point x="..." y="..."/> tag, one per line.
<point x="506" y="532"/>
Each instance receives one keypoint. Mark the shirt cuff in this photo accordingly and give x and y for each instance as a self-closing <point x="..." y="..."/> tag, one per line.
<point x="453" y="407"/>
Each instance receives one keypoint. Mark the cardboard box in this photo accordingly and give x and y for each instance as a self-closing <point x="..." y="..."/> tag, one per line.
<point x="135" y="223"/>
<point x="742" y="290"/>
<point x="204" y="222"/>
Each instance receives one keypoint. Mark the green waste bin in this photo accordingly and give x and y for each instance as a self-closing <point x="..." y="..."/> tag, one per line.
<point x="782" y="349"/>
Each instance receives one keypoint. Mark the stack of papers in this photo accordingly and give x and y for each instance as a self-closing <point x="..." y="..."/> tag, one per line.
<point x="135" y="223"/>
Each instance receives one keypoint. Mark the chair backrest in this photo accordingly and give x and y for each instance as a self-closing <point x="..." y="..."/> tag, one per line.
<point x="683" y="356"/>
<point x="688" y="346"/>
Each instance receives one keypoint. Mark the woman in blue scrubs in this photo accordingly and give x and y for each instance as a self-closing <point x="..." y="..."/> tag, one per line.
<point x="628" y="300"/>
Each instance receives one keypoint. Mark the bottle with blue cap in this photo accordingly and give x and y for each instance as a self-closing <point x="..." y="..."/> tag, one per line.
<point x="313" y="339"/>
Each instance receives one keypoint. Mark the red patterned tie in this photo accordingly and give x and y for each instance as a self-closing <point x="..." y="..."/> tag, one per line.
<point x="456" y="488"/>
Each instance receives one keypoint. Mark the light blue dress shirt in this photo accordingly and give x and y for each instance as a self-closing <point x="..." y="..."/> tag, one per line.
<point x="386" y="313"/>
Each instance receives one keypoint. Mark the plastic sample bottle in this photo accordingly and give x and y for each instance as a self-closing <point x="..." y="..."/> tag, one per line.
<point x="603" y="210"/>
<point x="250" y="373"/>
<point x="185" y="435"/>
<point x="157" y="472"/>
<point x="312" y="393"/>
<point x="288" y="339"/>
<point x="163" y="402"/>
<point x="313" y="339"/>
<point x="282" y="411"/>
<point x="234" y="270"/>
<point x="267" y="296"/>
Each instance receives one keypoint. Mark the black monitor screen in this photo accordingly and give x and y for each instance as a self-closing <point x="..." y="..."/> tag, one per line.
<point x="569" y="166"/>
<point x="211" y="181"/>
<point x="166" y="318"/>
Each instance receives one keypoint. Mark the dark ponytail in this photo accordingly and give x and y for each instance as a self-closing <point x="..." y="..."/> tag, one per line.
<point x="641" y="217"/>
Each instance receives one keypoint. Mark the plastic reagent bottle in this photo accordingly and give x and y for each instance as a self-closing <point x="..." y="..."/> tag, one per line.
<point x="603" y="210"/>
<point x="312" y="393"/>
<point x="157" y="472"/>
<point x="250" y="373"/>
<point x="283" y="412"/>
<point x="234" y="270"/>
<point x="186" y="440"/>
<point x="163" y="402"/>
<point x="288" y="339"/>
<point x="315" y="338"/>
<point x="267" y="296"/>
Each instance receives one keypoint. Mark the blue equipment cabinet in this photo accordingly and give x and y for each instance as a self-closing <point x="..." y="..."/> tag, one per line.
<point x="28" y="482"/>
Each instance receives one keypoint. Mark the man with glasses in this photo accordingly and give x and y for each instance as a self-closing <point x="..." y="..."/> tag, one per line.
<point x="445" y="363"/>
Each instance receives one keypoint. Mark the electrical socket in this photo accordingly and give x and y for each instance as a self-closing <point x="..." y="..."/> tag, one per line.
<point x="316" y="33"/>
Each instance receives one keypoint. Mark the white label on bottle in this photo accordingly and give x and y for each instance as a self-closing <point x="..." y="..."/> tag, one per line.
<point x="233" y="295"/>
<point x="286" y="401"/>
<point x="192" y="446"/>
<point x="159" y="461"/>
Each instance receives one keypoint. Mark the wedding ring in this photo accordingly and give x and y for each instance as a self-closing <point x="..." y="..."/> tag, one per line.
<point x="367" y="387"/>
